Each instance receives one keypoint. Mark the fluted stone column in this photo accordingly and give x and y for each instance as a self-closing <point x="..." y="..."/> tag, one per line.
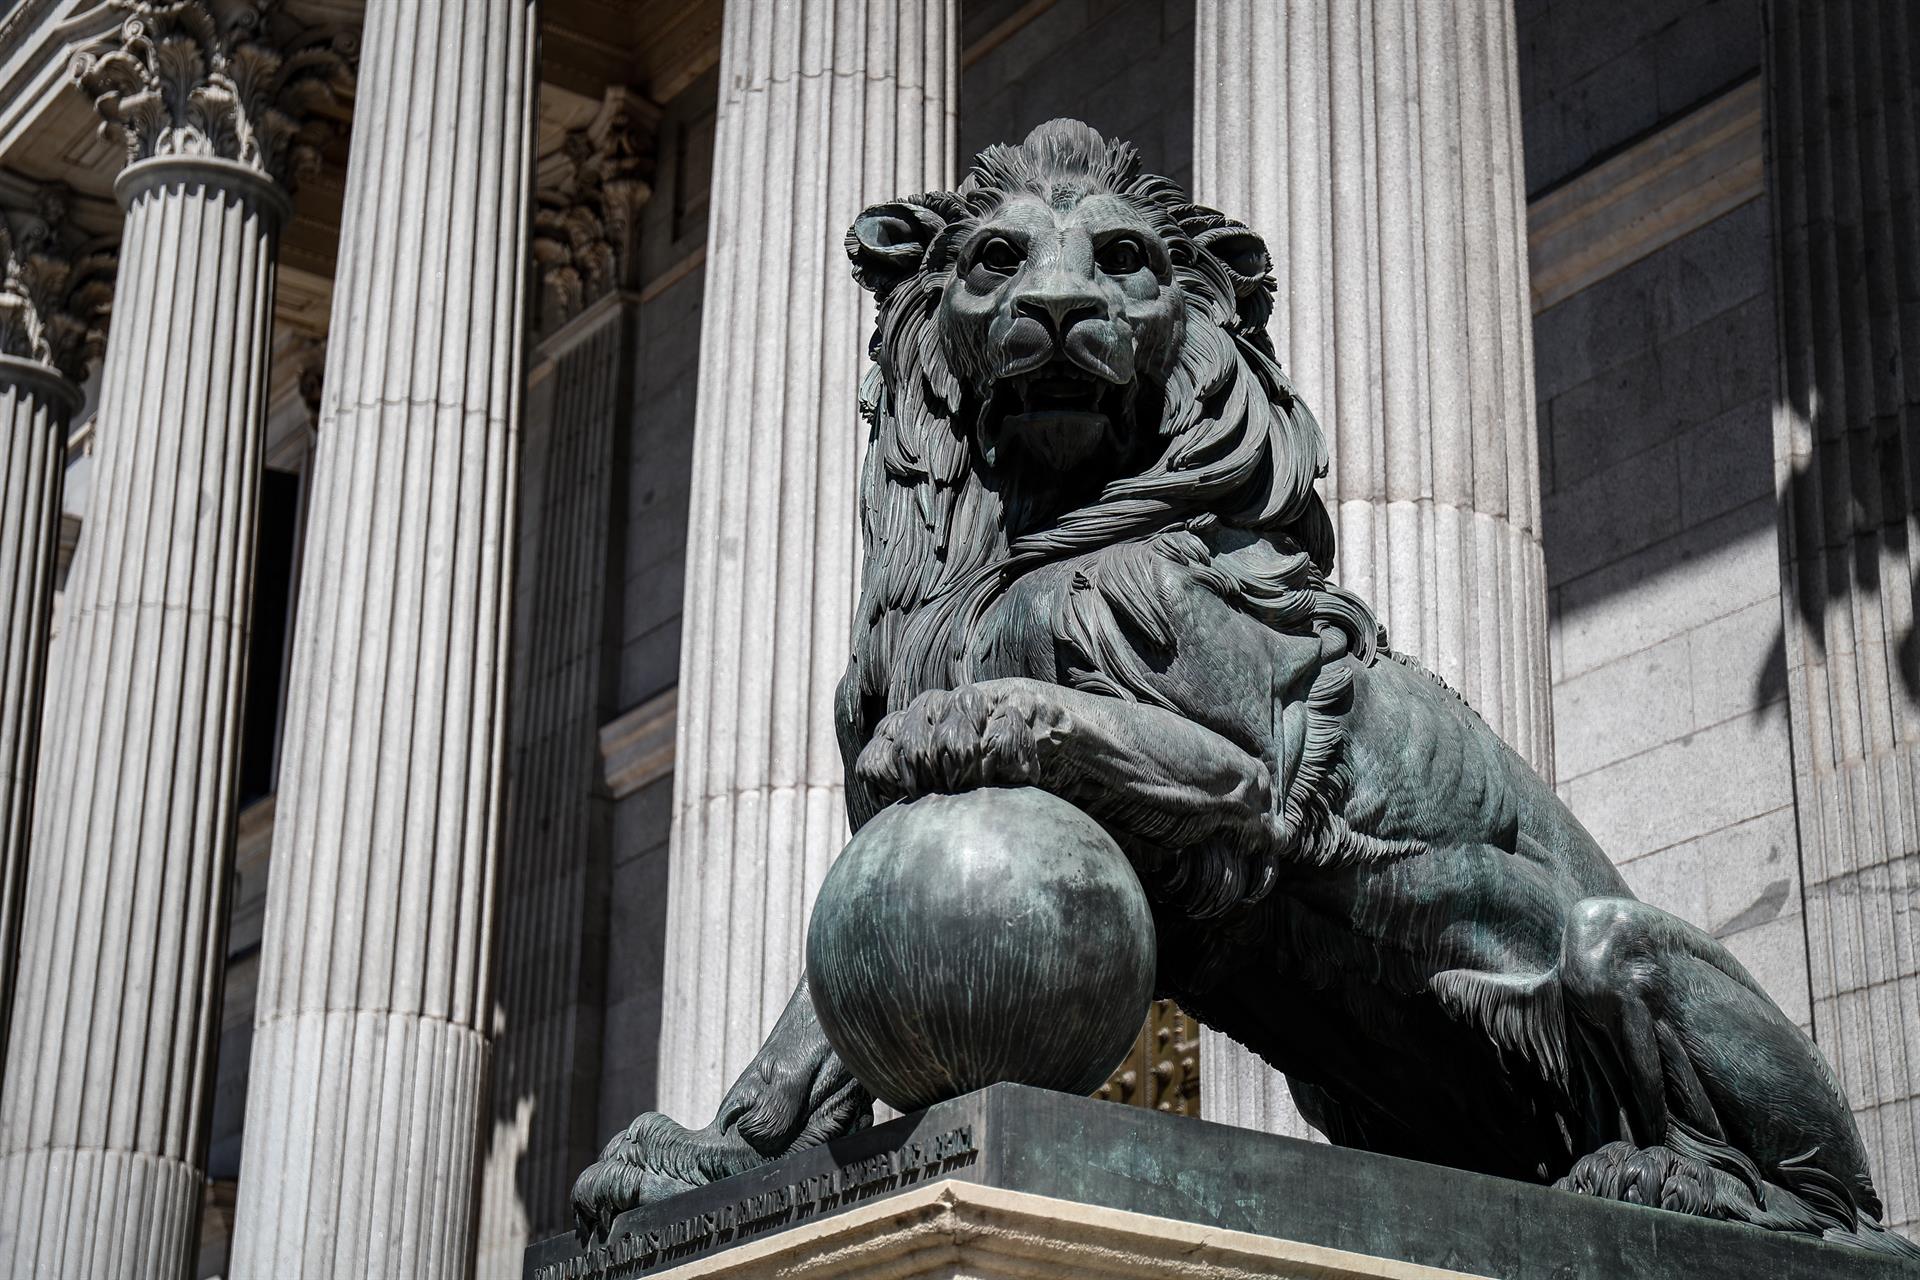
<point x="108" y="1080"/>
<point x="1377" y="148"/>
<point x="367" y="1079"/>
<point x="53" y="306"/>
<point x="826" y="106"/>
<point x="555" y="863"/>
<point x="1844" y="127"/>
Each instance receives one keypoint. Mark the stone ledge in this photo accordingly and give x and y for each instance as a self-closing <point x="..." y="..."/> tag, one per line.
<point x="1703" y="165"/>
<point x="637" y="746"/>
<point x="955" y="1228"/>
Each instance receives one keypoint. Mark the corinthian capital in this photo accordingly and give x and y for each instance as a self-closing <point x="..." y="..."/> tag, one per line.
<point x="233" y="79"/>
<point x="586" y="228"/>
<point x="57" y="286"/>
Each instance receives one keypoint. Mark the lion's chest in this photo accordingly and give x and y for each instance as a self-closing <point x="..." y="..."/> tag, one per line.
<point x="1130" y="622"/>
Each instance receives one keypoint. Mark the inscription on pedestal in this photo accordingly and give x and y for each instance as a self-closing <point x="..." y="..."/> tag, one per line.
<point x="635" y="1250"/>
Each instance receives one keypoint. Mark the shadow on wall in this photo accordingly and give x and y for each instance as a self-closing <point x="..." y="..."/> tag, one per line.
<point x="1849" y="502"/>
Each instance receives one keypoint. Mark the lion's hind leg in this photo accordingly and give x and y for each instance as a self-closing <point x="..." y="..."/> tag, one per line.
<point x="1731" y="1111"/>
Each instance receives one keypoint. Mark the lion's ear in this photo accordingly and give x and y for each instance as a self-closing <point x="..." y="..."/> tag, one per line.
<point x="888" y="241"/>
<point x="1242" y="252"/>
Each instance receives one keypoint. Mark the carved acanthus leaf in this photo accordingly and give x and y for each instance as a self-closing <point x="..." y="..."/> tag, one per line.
<point x="57" y="289"/>
<point x="586" y="227"/>
<point x="233" y="79"/>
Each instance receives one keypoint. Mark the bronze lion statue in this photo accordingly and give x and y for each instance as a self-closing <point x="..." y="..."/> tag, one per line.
<point x="1095" y="563"/>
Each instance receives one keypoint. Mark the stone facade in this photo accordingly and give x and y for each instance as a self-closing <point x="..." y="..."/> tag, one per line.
<point x="1728" y="698"/>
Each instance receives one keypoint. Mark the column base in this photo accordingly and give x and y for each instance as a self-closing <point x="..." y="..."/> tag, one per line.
<point x="1019" y="1182"/>
<point x="53" y="1202"/>
<point x="367" y="1120"/>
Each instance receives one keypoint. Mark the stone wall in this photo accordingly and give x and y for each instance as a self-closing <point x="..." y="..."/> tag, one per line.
<point x="1670" y="725"/>
<point x="1656" y="385"/>
<point x="666" y="362"/>
<point x="662" y="453"/>
<point x="1594" y="76"/>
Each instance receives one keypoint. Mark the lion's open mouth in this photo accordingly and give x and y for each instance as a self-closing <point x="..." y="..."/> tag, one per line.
<point x="1058" y="413"/>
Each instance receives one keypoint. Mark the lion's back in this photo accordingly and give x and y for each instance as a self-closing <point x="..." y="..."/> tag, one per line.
<point x="1425" y="762"/>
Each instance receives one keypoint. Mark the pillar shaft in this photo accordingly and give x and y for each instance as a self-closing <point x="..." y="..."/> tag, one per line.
<point x="1844" y="128"/>
<point x="372" y="1016"/>
<point x="109" y="1076"/>
<point x="1377" y="148"/>
<point x="826" y="106"/>
<point x="35" y="405"/>
<point x="57" y="291"/>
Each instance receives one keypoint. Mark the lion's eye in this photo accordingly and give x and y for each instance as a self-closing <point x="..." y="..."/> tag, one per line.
<point x="1000" y="255"/>
<point x="1122" y="257"/>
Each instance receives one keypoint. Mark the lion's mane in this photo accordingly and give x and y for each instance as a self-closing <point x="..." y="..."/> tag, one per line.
<point x="1234" y="445"/>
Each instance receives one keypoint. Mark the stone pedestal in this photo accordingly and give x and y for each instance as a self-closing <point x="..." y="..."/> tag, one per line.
<point x="1377" y="148"/>
<point x="374" y="1000"/>
<point x="825" y="107"/>
<point x="1018" y="1182"/>
<point x="952" y="1230"/>
<point x="109" y="1074"/>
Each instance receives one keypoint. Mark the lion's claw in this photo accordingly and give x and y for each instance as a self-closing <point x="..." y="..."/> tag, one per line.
<point x="947" y="740"/>
<point x="631" y="1172"/>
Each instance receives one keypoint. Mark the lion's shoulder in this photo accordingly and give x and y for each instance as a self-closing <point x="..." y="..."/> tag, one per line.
<point x="1166" y="619"/>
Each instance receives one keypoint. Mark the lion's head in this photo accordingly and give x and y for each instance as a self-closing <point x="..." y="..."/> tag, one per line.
<point x="1069" y="353"/>
<point x="1060" y="285"/>
<point x="1061" y="312"/>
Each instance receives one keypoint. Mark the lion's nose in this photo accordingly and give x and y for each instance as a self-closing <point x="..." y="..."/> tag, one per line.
<point x="1058" y="309"/>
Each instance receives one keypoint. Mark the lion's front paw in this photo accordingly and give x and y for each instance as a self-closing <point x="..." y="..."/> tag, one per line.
<point x="991" y="734"/>
<point x="640" y="1166"/>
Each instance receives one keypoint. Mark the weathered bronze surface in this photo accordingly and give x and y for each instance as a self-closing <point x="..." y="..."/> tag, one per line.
<point x="1096" y="564"/>
<point x="963" y="940"/>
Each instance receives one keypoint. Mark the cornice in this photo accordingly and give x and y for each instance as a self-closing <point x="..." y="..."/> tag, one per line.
<point x="18" y="22"/>
<point x="37" y="99"/>
<point x="637" y="747"/>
